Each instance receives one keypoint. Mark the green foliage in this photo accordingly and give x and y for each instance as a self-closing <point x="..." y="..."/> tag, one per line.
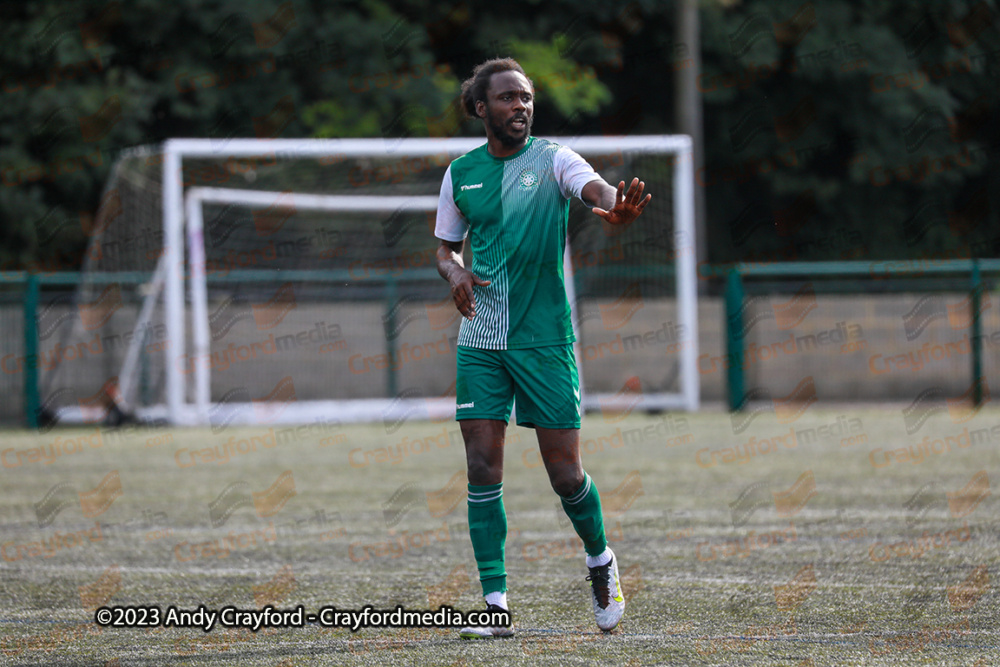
<point x="834" y="129"/>
<point x="573" y="88"/>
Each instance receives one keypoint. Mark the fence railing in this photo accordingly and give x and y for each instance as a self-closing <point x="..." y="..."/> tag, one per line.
<point x="836" y="277"/>
<point x="33" y="283"/>
<point x="898" y="276"/>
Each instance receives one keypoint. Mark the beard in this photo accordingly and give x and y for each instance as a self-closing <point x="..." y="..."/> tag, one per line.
<point x="502" y="130"/>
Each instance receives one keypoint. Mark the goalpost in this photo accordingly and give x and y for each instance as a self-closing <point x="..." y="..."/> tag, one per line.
<point x="634" y="296"/>
<point x="200" y="410"/>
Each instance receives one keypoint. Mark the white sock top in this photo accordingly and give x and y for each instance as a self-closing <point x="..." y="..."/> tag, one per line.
<point x="498" y="598"/>
<point x="602" y="559"/>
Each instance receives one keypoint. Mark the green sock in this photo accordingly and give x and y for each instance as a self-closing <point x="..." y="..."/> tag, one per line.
<point x="584" y="509"/>
<point x="488" y="530"/>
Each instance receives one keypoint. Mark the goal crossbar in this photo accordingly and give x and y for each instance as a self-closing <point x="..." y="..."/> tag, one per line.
<point x="184" y="211"/>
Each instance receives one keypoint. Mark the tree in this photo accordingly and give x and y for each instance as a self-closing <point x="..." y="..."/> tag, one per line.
<point x="832" y="130"/>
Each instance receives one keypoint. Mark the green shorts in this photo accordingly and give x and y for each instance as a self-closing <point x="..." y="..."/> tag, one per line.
<point x="544" y="381"/>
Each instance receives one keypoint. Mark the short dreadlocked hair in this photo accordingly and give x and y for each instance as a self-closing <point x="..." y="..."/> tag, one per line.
<point x="474" y="88"/>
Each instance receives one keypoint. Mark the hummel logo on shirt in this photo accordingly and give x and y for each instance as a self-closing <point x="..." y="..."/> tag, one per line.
<point x="465" y="405"/>
<point x="472" y="187"/>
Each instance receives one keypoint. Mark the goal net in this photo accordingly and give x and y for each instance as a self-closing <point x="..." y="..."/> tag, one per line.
<point x="294" y="281"/>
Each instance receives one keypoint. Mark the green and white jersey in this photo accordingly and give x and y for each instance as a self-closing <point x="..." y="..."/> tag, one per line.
<point x="514" y="210"/>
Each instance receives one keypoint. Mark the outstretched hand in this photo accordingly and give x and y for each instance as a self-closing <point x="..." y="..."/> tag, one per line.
<point x="628" y="205"/>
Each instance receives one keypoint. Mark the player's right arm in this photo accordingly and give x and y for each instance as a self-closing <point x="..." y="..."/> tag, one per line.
<point x="452" y="229"/>
<point x="451" y="266"/>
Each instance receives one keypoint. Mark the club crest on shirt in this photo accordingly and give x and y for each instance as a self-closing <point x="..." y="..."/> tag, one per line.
<point x="528" y="179"/>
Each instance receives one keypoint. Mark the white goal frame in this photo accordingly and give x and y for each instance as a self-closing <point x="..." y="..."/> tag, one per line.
<point x="182" y="211"/>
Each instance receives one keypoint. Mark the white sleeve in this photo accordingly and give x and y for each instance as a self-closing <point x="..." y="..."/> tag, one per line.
<point x="572" y="172"/>
<point x="451" y="224"/>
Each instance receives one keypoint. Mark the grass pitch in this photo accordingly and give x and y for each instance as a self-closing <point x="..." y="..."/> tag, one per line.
<point x="853" y="536"/>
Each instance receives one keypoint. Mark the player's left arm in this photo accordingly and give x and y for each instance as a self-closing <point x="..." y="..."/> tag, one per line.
<point x="615" y="205"/>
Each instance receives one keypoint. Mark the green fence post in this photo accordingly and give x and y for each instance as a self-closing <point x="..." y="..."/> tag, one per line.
<point x="734" y="338"/>
<point x="32" y="400"/>
<point x="390" y="335"/>
<point x="977" y="336"/>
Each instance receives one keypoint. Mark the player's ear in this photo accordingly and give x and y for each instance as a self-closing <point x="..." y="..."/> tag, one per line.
<point x="481" y="108"/>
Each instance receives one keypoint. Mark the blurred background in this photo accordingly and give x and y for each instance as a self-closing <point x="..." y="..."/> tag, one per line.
<point x="839" y="131"/>
<point x="846" y="116"/>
